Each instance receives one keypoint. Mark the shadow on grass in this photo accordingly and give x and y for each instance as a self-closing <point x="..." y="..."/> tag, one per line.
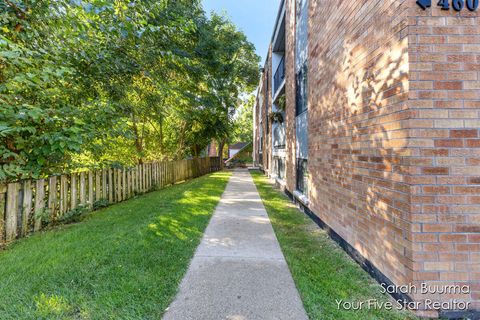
<point x="123" y="262"/>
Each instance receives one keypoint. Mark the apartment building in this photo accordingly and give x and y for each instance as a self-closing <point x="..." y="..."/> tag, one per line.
<point x="367" y="115"/>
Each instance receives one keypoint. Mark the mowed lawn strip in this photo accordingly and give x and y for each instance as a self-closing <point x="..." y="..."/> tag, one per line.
<point x="322" y="271"/>
<point x="123" y="262"/>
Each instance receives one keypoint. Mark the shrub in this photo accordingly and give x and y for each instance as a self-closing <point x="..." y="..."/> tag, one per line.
<point x="74" y="215"/>
<point x="99" y="204"/>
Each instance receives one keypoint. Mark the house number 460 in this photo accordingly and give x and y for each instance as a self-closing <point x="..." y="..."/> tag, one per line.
<point x="458" y="5"/>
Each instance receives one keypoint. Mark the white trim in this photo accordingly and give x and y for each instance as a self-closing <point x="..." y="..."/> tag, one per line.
<point x="279" y="90"/>
<point x="281" y="183"/>
<point x="254" y="125"/>
<point x="281" y="8"/>
<point x="278" y="24"/>
<point x="301" y="197"/>
<point x="281" y="153"/>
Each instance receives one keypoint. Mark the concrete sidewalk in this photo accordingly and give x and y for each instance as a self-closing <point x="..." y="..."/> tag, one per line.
<point x="238" y="271"/>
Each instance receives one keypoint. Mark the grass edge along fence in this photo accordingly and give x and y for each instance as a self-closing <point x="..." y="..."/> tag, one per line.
<point x="29" y="205"/>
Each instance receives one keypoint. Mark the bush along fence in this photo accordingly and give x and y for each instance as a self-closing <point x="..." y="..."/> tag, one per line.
<point x="30" y="205"/>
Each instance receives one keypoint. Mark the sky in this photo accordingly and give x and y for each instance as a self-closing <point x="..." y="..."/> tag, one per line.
<point x="256" y="18"/>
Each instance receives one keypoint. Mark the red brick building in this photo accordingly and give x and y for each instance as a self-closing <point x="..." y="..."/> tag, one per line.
<point x="212" y="149"/>
<point x="367" y="114"/>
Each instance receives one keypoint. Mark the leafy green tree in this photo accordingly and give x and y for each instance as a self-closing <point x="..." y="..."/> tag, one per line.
<point x="39" y="125"/>
<point x="98" y="82"/>
<point x="243" y="125"/>
<point x="232" y="69"/>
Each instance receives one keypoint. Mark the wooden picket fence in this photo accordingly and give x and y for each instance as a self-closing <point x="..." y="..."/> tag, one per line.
<point x="23" y="204"/>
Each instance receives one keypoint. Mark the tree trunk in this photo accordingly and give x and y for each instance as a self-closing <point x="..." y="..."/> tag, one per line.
<point x="138" y="140"/>
<point x="161" y="136"/>
<point x="182" y="141"/>
<point x="221" y="145"/>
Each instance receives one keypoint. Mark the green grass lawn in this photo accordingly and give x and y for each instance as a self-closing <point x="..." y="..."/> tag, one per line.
<point x="322" y="271"/>
<point x="123" y="262"/>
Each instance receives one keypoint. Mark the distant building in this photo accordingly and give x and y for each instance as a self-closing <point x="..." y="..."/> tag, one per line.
<point x="212" y="149"/>
<point x="235" y="148"/>
<point x="368" y="115"/>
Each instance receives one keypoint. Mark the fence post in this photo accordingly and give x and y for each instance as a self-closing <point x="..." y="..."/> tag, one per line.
<point x="90" y="189"/>
<point x="11" y="214"/>
<point x="159" y="173"/>
<point x="98" y="186"/>
<point x="27" y="206"/>
<point x="104" y="184"/>
<point x="117" y="185"/>
<point x="39" y="203"/>
<point x="124" y="184"/>
<point x="138" y="174"/>
<point x="146" y="167"/>
<point x="129" y="183"/>
<point x="186" y="169"/>
<point x="52" y="196"/>
<point x="154" y="175"/>
<point x="83" y="196"/>
<point x="144" y="178"/>
<point x="140" y="178"/>
<point x="137" y="179"/>
<point x="110" y="186"/>
<point x="149" y="176"/>
<point x="183" y="170"/>
<point x="165" y="173"/>
<point x="3" y="195"/>
<point x="63" y="194"/>
<point x="162" y="175"/>
<point x="134" y="180"/>
<point x="73" y="191"/>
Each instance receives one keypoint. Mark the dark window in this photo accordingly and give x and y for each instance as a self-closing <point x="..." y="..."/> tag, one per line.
<point x="280" y="166"/>
<point x="301" y="93"/>
<point x="266" y="105"/>
<point x="299" y="6"/>
<point x="260" y="148"/>
<point x="279" y="136"/>
<point x="301" y="175"/>
<point x="279" y="75"/>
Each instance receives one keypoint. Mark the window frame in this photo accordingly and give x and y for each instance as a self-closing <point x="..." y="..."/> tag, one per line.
<point x="301" y="92"/>
<point x="302" y="174"/>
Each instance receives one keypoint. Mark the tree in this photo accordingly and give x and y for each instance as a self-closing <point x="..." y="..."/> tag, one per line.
<point x="244" y="121"/>
<point x="232" y="68"/>
<point x="97" y="82"/>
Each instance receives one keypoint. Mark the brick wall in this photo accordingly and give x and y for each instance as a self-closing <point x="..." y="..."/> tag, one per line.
<point x="259" y="117"/>
<point x="394" y="141"/>
<point x="267" y="108"/>
<point x="256" y="131"/>
<point x="444" y="54"/>
<point x="290" y="173"/>
<point x="358" y="111"/>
